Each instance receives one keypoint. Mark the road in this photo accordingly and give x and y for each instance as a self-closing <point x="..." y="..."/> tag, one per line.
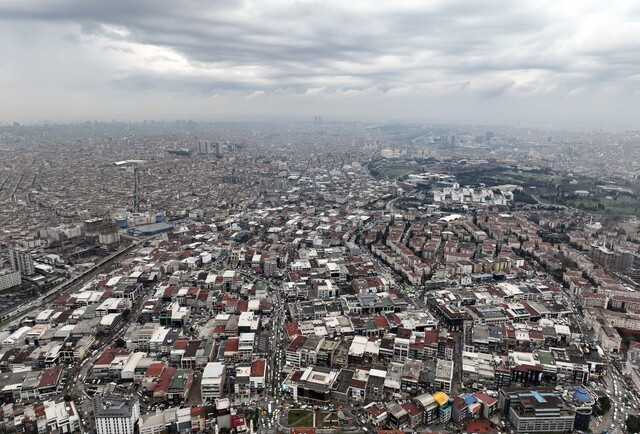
<point x="277" y="360"/>
<point x="70" y="284"/>
<point x="622" y="397"/>
<point x="390" y="206"/>
<point x="273" y="387"/>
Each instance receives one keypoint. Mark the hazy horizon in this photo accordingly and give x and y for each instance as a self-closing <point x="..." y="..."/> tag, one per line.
<point x="497" y="62"/>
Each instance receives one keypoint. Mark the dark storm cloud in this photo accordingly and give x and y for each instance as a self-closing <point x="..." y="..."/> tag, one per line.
<point x="293" y="39"/>
<point x="494" y="49"/>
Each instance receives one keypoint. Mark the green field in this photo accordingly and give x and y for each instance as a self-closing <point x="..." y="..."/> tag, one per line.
<point x="300" y="418"/>
<point x="557" y="189"/>
<point x="393" y="170"/>
<point x="327" y="420"/>
<point x="624" y="205"/>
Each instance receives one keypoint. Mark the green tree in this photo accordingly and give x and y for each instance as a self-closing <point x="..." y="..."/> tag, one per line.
<point x="120" y="343"/>
<point x="633" y="423"/>
<point x="604" y="405"/>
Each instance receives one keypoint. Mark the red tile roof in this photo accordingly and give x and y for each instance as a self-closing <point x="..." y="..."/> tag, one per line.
<point x="243" y="306"/>
<point x="109" y="354"/>
<point x="459" y="403"/>
<point x="536" y="334"/>
<point x="431" y="337"/>
<point x="155" y="369"/>
<point x="50" y="377"/>
<point x="197" y="412"/>
<point x="232" y="345"/>
<point x="411" y="408"/>
<point x="297" y="343"/>
<point x="488" y="400"/>
<point x="375" y="411"/>
<point x="165" y="380"/>
<point x="381" y="322"/>
<point x="258" y="368"/>
<point x="181" y="344"/>
<point x="292" y="328"/>
<point x="40" y="410"/>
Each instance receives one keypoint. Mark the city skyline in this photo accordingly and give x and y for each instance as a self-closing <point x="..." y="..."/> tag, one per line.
<point x="303" y="216"/>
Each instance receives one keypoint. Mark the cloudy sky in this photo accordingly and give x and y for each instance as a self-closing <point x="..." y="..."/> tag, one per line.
<point x="533" y="61"/>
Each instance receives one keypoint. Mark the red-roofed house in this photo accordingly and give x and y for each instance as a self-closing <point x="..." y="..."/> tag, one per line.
<point x="460" y="410"/>
<point x="381" y="323"/>
<point x="50" y="381"/>
<point x="258" y="375"/>
<point x="152" y="376"/>
<point x="489" y="404"/>
<point x="161" y="391"/>
<point x="102" y="366"/>
<point x="243" y="306"/>
<point x="293" y="350"/>
<point x="293" y="330"/>
<point x="198" y="420"/>
<point x="415" y="414"/>
<point x="376" y="415"/>
<point x="231" y="353"/>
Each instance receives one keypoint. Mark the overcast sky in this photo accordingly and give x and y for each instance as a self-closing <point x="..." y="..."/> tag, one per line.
<point x="536" y="61"/>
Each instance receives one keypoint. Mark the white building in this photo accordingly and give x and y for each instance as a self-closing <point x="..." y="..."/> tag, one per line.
<point x="61" y="416"/>
<point x="116" y="415"/>
<point x="212" y="384"/>
<point x="444" y="375"/>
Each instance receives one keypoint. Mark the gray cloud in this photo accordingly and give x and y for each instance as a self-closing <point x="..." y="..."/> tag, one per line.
<point x="289" y="52"/>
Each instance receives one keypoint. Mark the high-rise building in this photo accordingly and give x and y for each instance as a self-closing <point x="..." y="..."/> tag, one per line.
<point x="204" y="147"/>
<point x="116" y="414"/>
<point x="21" y="261"/>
